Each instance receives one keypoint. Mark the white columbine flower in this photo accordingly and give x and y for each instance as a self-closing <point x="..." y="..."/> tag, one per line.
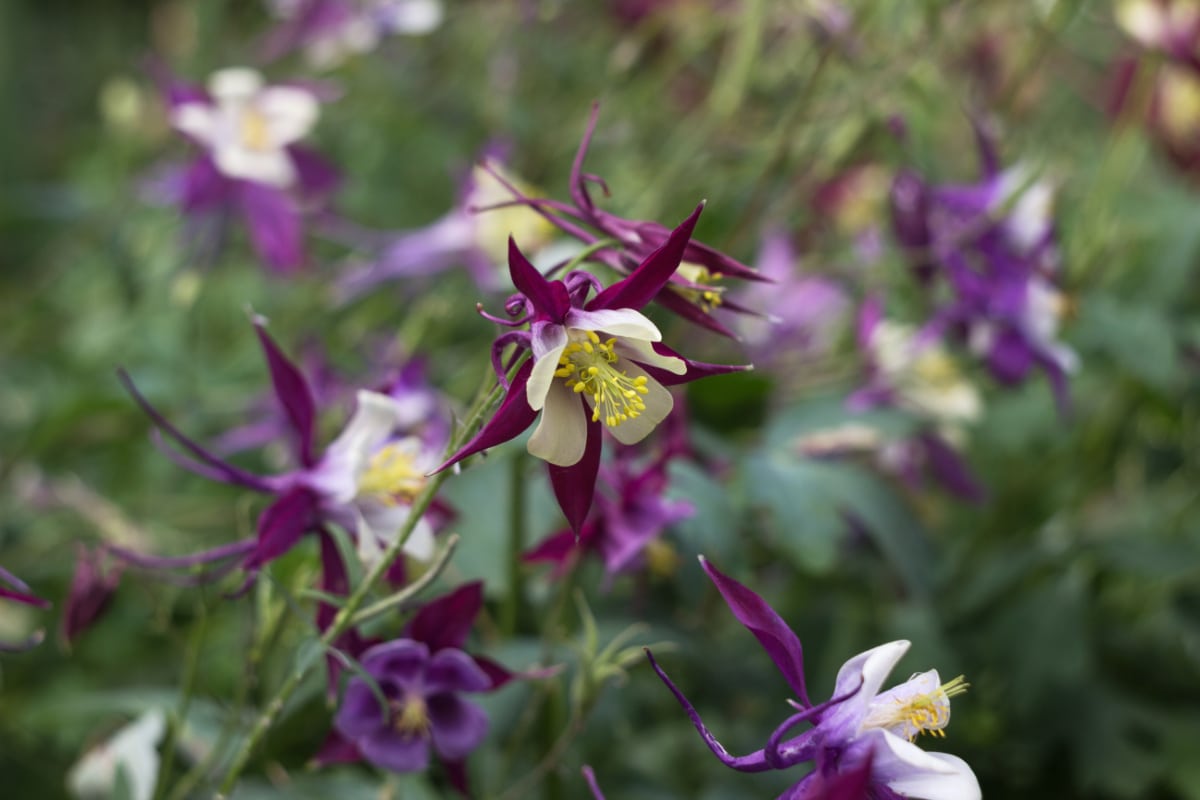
<point x="131" y="751"/>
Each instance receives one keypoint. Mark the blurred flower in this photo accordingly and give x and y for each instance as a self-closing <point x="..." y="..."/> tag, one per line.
<point x="130" y="756"/>
<point x="629" y="516"/>
<point x="581" y="380"/>
<point x="331" y="31"/>
<point x="858" y="726"/>
<point x="993" y="245"/>
<point x="251" y="163"/>
<point x="463" y="237"/>
<point x="365" y="481"/>
<point x="13" y="588"/>
<point x="692" y="291"/>
<point x="92" y="588"/>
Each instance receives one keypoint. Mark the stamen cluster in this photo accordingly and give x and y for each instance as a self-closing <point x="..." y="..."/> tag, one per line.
<point x="588" y="367"/>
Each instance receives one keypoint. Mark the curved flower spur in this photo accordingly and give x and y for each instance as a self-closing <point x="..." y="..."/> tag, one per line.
<point x="859" y="730"/>
<point x="595" y="363"/>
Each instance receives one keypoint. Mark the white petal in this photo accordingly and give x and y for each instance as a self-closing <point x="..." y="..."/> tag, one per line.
<point x="289" y="113"/>
<point x="272" y="167"/>
<point x="643" y="353"/>
<point x="863" y="674"/>
<point x="235" y="83"/>
<point x="615" y="321"/>
<point x="658" y="405"/>
<point x="414" y="17"/>
<point x="345" y="459"/>
<point x="548" y="342"/>
<point x="912" y="772"/>
<point x="379" y="525"/>
<point x="133" y="749"/>
<point x="561" y="434"/>
<point x="198" y="120"/>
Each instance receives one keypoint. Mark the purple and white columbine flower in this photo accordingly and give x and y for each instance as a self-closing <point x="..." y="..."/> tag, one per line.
<point x="252" y="164"/>
<point x="595" y="363"/>
<point x="859" y="726"/>
<point x="331" y="31"/>
<point x="13" y="588"/>
<point x="993" y="244"/>
<point x="364" y="482"/>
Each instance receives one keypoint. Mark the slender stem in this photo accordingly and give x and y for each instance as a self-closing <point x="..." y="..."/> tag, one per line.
<point x="414" y="588"/>
<point x="188" y="687"/>
<point x="510" y="612"/>
<point x="345" y="617"/>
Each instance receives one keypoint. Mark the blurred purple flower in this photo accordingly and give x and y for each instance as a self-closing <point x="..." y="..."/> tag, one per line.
<point x="993" y="244"/>
<point x="92" y="588"/>
<point x="859" y="733"/>
<point x="364" y="481"/>
<point x="251" y="164"/>
<point x="13" y="588"/>
<point x="580" y="380"/>
<point x="331" y="31"/>
<point x="691" y="290"/>
<point x="629" y="515"/>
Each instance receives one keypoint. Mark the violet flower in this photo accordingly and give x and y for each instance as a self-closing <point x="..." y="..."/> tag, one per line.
<point x="693" y="290"/>
<point x="251" y="164"/>
<point x="13" y="588"/>
<point x="331" y="31"/>
<point x="95" y="581"/>
<point x="364" y="481"/>
<point x="861" y="729"/>
<point x="595" y="363"/>
<point x="629" y="516"/>
<point x="421" y="675"/>
<point x="993" y="244"/>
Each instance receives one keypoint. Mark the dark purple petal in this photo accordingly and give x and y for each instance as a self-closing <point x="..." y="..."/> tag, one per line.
<point x="499" y="675"/>
<point x="336" y="749"/>
<point x="512" y="417"/>
<point x="92" y="588"/>
<point x="446" y="621"/>
<point x="458" y="726"/>
<point x="754" y="762"/>
<point x="395" y="751"/>
<point x="456" y="773"/>
<point x="558" y="548"/>
<point x="274" y="223"/>
<point x="950" y="470"/>
<point x="780" y="642"/>
<point x="316" y="176"/>
<point x="292" y="391"/>
<point x="549" y="298"/>
<point x="453" y="670"/>
<point x="401" y="661"/>
<point x="360" y="713"/>
<point x="201" y="187"/>
<point x="640" y="286"/>
<point x="575" y="485"/>
<point x="23" y="597"/>
<point x="676" y="303"/>
<point x="282" y="524"/>
<point x="695" y="369"/>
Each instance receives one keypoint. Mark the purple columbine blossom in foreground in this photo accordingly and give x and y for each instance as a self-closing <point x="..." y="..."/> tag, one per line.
<point x="993" y="244"/>
<point x="364" y="481"/>
<point x="422" y="675"/>
<point x="595" y="363"/>
<point x="629" y="516"/>
<point x="859" y="725"/>
<point x="13" y="588"/>
<point x="251" y="163"/>
<point x="691" y="290"/>
<point x="331" y="31"/>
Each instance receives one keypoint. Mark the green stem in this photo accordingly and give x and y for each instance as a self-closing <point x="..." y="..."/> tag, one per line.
<point x="510" y="612"/>
<point x="188" y="687"/>
<point x="345" y="617"/>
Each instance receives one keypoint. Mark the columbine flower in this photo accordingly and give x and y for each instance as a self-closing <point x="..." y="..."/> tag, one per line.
<point x="92" y="587"/>
<point x="421" y="675"/>
<point x="860" y="730"/>
<point x="595" y="363"/>
<point x="693" y="290"/>
<point x="629" y="516"/>
<point x="365" y="480"/>
<point x="331" y="31"/>
<point x="993" y="244"/>
<point x="132" y="752"/>
<point x="252" y="164"/>
<point x="462" y="237"/>
<point x="13" y="588"/>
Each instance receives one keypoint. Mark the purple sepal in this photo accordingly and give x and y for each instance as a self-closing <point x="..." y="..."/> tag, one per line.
<point x="512" y="417"/>
<point x="293" y="393"/>
<point x="946" y="466"/>
<point x="282" y="524"/>
<point x="92" y="588"/>
<point x="695" y="369"/>
<point x="549" y="298"/>
<point x="574" y="486"/>
<point x="640" y="286"/>
<point x="446" y="621"/>
<point x="274" y="223"/>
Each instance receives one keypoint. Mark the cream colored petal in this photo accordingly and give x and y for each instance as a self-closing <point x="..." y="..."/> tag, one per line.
<point x="542" y="375"/>
<point x="289" y="113"/>
<point x="347" y="456"/>
<point x="620" y="322"/>
<point x="272" y="167"/>
<point x="643" y="353"/>
<point x="198" y="120"/>
<point x="235" y="83"/>
<point x="912" y="772"/>
<point x="658" y="405"/>
<point x="561" y="434"/>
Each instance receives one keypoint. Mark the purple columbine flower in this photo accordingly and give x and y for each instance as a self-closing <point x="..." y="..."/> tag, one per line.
<point x="364" y="481"/>
<point x="693" y="289"/>
<point x="861" y="729"/>
<point x="993" y="245"/>
<point x="95" y="581"/>
<point x="13" y="588"/>
<point x="331" y="31"/>
<point x="421" y="676"/>
<point x="629" y="516"/>
<point x="251" y="164"/>
<point x="595" y="363"/>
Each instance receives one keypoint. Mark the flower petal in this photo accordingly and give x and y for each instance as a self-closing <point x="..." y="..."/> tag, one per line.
<point x="291" y="390"/>
<point x="199" y="120"/>
<point x="561" y="434"/>
<point x="274" y="223"/>
<point x="620" y="322"/>
<point x="445" y="621"/>
<point x="452" y="670"/>
<point x="912" y="772"/>
<point x="513" y="417"/>
<point x="282" y="524"/>
<point x="861" y="677"/>
<point x="574" y="486"/>
<point x="458" y="726"/>
<point x="360" y="712"/>
<point x="393" y="751"/>
<point x="289" y="113"/>
<point x="549" y="298"/>
<point x="644" y="353"/>
<point x="641" y="285"/>
<point x="658" y="405"/>
<point x="347" y="456"/>
<point x="548" y="341"/>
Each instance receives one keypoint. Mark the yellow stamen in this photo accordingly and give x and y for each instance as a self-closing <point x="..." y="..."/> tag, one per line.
<point x="410" y="716"/>
<point x="589" y="367"/>
<point x="392" y="474"/>
<point x="928" y="712"/>
<point x="256" y="134"/>
<point x="706" y="298"/>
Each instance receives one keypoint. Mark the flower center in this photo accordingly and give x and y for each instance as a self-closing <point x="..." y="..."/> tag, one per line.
<point x="588" y="365"/>
<point x="255" y="133"/>
<point x="928" y="712"/>
<point x="410" y="716"/>
<point x="706" y="298"/>
<point x="392" y="474"/>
